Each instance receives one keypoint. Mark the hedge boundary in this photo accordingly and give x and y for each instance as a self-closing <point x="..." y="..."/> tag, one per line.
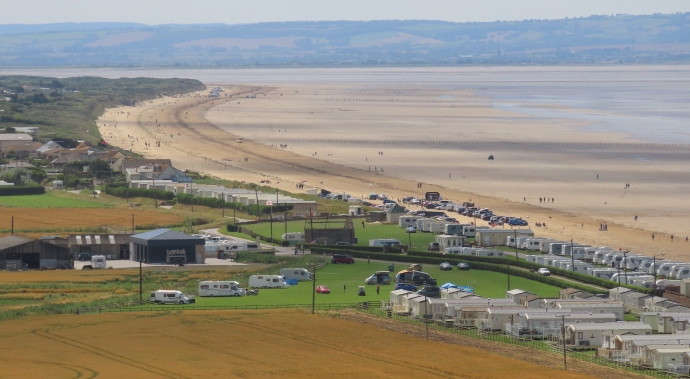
<point x="139" y="192"/>
<point x="21" y="190"/>
<point x="529" y="265"/>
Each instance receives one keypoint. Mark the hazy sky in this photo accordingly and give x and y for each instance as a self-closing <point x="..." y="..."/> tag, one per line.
<point x="249" y="11"/>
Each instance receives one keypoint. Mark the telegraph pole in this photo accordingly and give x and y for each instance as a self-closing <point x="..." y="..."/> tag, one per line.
<point x="516" y="247"/>
<point x="565" y="359"/>
<point x="313" y="290"/>
<point x="191" y="192"/>
<point x="140" y="283"/>
<point x="572" y="256"/>
<point x="132" y="223"/>
<point x="426" y="321"/>
<point x="12" y="225"/>
<point x="256" y="192"/>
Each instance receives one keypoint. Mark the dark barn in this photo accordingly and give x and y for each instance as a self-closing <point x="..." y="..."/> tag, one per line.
<point x="166" y="246"/>
<point x="17" y="252"/>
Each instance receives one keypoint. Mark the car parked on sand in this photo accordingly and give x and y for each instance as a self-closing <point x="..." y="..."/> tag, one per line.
<point x="463" y="266"/>
<point x="322" y="289"/>
<point x="445" y="266"/>
<point x="544" y="271"/>
<point x="342" y="258"/>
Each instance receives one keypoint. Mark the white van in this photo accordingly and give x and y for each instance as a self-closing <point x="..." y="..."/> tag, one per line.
<point x="170" y="297"/>
<point x="98" y="261"/>
<point x="267" y="281"/>
<point x="220" y="288"/>
<point x="301" y="274"/>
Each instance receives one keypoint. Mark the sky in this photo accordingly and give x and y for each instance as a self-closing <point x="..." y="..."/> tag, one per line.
<point x="250" y="11"/>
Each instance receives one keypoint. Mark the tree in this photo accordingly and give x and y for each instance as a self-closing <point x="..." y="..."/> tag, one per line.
<point x="19" y="89"/>
<point x="10" y="130"/>
<point x="56" y="84"/>
<point x="100" y="168"/>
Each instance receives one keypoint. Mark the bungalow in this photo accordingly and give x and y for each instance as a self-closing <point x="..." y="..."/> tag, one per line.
<point x="592" y="334"/>
<point x="396" y="295"/>
<point x="625" y="346"/>
<point x="419" y="306"/>
<point x="572" y="293"/>
<point x="405" y="306"/>
<point x="517" y="295"/>
<point x="634" y="302"/>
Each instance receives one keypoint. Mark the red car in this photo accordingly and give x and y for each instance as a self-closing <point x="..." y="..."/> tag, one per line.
<point x="322" y="289"/>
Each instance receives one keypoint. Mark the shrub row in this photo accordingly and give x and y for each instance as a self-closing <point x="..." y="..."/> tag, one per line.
<point x="454" y="260"/>
<point x="212" y="202"/>
<point x="529" y="265"/>
<point x="21" y="190"/>
<point x="373" y="249"/>
<point x="139" y="192"/>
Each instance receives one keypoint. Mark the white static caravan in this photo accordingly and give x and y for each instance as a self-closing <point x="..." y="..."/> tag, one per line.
<point x="396" y="296"/>
<point x="556" y="248"/>
<point x="301" y="274"/>
<point x="454" y="229"/>
<point x="531" y="244"/>
<point x="567" y="248"/>
<point x="593" y="307"/>
<point x="469" y="231"/>
<point x="436" y="227"/>
<point x="449" y="241"/>
<point x="488" y="253"/>
<point x="293" y="238"/>
<point x="497" y="318"/>
<point x="545" y="244"/>
<point x="541" y="322"/>
<point x="220" y="288"/>
<point x="267" y="281"/>
<point x="420" y="222"/>
<point x="405" y="303"/>
<point x="663" y="357"/>
<point x="405" y="221"/>
<point x="592" y="334"/>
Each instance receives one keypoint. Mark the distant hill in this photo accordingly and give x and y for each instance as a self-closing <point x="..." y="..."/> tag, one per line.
<point x="596" y="39"/>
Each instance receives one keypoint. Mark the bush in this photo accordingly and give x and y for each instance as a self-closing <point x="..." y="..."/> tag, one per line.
<point x="258" y="257"/>
<point x="138" y="192"/>
<point x="233" y="228"/>
<point x="21" y="190"/>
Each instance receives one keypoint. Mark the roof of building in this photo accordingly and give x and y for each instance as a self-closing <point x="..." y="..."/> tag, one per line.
<point x="396" y="209"/>
<point x="23" y="146"/>
<point x="515" y="292"/>
<point x="132" y="163"/>
<point x="50" y="145"/>
<point x="673" y="350"/>
<point x="15" y="137"/>
<point x="579" y="316"/>
<point x="164" y="234"/>
<point x="12" y="241"/>
<point x="618" y="325"/>
<point x="568" y="291"/>
<point x="18" y="165"/>
<point x="619" y="290"/>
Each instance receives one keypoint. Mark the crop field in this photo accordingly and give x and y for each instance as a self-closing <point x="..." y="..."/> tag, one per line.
<point x="51" y="200"/>
<point x="420" y="240"/>
<point x="238" y="344"/>
<point x="27" y="220"/>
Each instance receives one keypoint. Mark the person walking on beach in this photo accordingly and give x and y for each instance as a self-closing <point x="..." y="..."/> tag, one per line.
<point x="635" y="217"/>
<point x="671" y="237"/>
<point x="652" y="237"/>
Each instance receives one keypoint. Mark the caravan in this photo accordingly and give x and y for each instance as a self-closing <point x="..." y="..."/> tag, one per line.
<point x="301" y="274"/>
<point x="385" y="242"/>
<point x="220" y="288"/>
<point x="98" y="261"/>
<point x="267" y="281"/>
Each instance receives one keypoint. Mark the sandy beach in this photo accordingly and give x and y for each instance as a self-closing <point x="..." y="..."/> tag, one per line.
<point x="433" y="134"/>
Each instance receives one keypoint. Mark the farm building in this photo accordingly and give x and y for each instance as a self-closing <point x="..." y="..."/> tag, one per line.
<point x="17" y="252"/>
<point x="498" y="237"/>
<point x="113" y="246"/>
<point x="166" y="246"/>
<point x="9" y="139"/>
<point x="592" y="334"/>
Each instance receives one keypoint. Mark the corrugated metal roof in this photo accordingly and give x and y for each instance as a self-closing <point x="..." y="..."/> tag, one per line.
<point x="12" y="241"/>
<point x="163" y="234"/>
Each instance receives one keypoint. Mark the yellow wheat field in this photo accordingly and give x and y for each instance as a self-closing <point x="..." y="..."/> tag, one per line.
<point x="237" y="344"/>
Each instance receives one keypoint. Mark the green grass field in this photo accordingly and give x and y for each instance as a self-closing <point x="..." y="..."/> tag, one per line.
<point x="52" y="200"/>
<point x="486" y="283"/>
<point x="420" y="240"/>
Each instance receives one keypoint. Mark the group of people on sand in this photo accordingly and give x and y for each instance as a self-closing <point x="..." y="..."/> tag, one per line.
<point x="547" y="200"/>
<point x="541" y="224"/>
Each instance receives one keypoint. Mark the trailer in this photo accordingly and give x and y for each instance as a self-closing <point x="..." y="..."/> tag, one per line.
<point x="220" y="288"/>
<point x="267" y="281"/>
<point x="301" y="274"/>
<point x="98" y="261"/>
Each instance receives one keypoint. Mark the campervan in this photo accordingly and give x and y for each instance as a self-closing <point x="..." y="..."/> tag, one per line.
<point x="267" y="281"/>
<point x="220" y="288"/>
<point x="301" y="274"/>
<point x="293" y="238"/>
<point x="98" y="261"/>
<point x="385" y="242"/>
<point x="170" y="297"/>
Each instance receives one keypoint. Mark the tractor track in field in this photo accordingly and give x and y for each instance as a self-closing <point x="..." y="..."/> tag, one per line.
<point x="412" y="366"/>
<point x="127" y="361"/>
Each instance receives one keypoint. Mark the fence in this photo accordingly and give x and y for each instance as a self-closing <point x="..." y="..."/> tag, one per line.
<point x="145" y="307"/>
<point x="539" y="344"/>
